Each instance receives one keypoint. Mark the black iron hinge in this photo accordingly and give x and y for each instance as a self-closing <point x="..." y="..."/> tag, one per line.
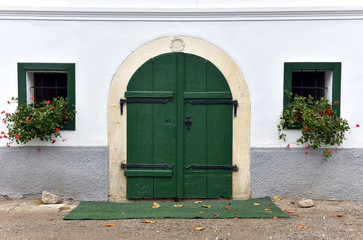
<point x="225" y="167"/>
<point x="143" y="100"/>
<point x="215" y="102"/>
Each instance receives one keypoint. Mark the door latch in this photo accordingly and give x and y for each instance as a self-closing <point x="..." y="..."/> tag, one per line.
<point x="188" y="123"/>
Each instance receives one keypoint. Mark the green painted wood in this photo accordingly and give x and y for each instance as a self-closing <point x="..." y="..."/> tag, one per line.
<point x="149" y="94"/>
<point x="156" y="133"/>
<point x="140" y="135"/>
<point x="195" y="149"/>
<point x="207" y="95"/>
<point x="148" y="173"/>
<point x="165" y="138"/>
<point x="219" y="136"/>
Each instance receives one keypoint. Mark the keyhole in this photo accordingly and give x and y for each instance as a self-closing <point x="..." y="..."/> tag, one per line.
<point x="168" y="122"/>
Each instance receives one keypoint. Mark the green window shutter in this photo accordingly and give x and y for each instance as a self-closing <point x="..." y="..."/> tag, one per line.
<point x="67" y="67"/>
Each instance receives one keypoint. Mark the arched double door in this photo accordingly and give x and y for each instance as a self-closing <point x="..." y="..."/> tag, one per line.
<point x="179" y="129"/>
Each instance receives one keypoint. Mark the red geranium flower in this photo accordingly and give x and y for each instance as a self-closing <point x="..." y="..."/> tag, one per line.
<point x="8" y="144"/>
<point x="47" y="102"/>
<point x="330" y="151"/>
<point x="336" y="102"/>
<point x="38" y="149"/>
<point x="53" y="141"/>
<point x="306" y="128"/>
<point x="27" y="120"/>
<point x="306" y="153"/>
<point x="32" y="98"/>
<point x="357" y="125"/>
<point x="57" y="129"/>
<point x="8" y="102"/>
<point x="2" y="112"/>
<point x="16" y="136"/>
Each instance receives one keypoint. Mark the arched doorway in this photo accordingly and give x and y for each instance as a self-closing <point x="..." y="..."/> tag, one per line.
<point x="184" y="179"/>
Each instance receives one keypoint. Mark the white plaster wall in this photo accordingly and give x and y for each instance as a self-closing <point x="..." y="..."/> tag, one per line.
<point x="258" y="47"/>
<point x="179" y="4"/>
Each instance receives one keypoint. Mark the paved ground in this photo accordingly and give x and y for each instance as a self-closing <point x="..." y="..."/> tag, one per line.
<point x="25" y="219"/>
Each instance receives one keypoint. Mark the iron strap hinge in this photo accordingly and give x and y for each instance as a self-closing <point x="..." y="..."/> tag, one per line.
<point x="215" y="102"/>
<point x="143" y="100"/>
<point x="233" y="168"/>
<point x="139" y="165"/>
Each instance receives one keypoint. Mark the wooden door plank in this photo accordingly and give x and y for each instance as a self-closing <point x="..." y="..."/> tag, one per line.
<point x="219" y="137"/>
<point x="164" y="117"/>
<point x="195" y="186"/>
<point x="207" y="95"/>
<point x="149" y="94"/>
<point x="140" y="134"/>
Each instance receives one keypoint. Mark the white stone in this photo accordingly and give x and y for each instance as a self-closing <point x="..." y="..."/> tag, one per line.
<point x="306" y="203"/>
<point x="50" y="198"/>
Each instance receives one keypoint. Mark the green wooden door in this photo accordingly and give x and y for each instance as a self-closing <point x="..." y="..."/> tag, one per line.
<point x="171" y="159"/>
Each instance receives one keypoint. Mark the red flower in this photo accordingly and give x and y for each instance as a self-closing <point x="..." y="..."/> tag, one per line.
<point x="306" y="128"/>
<point x="32" y="98"/>
<point x="7" y="114"/>
<point x="38" y="149"/>
<point x="47" y="102"/>
<point x="2" y="112"/>
<point x="16" y="136"/>
<point x="57" y="129"/>
<point x="307" y="147"/>
<point x="51" y="108"/>
<point x="357" y="125"/>
<point x="8" y="102"/>
<point x="8" y="144"/>
<point x="317" y="129"/>
<point x="288" y="146"/>
<point x="2" y="132"/>
<point x="27" y="120"/>
<point x="306" y="153"/>
<point x="5" y="136"/>
<point x="53" y="141"/>
<point x="336" y="102"/>
<point x="4" y="121"/>
<point x="1" y="137"/>
<point x="330" y="151"/>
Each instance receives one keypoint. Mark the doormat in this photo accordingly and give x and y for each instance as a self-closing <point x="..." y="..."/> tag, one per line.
<point x="251" y="208"/>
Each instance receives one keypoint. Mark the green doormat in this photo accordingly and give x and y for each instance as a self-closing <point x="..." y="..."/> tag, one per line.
<point x="251" y="208"/>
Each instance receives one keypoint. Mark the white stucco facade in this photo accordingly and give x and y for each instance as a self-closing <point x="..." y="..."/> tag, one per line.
<point x="259" y="36"/>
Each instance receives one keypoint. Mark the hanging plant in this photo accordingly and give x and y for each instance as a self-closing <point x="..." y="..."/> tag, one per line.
<point x="42" y="120"/>
<point x="318" y="122"/>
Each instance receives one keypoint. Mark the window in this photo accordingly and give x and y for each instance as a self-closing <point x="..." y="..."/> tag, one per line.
<point x="315" y="79"/>
<point x="43" y="81"/>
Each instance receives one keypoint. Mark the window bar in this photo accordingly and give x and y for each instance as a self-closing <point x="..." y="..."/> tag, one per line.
<point x="42" y="85"/>
<point x="301" y="83"/>
<point x="56" y="85"/>
<point x="316" y="84"/>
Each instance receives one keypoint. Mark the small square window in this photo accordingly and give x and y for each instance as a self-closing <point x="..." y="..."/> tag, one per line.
<point x="44" y="81"/>
<point x="315" y="79"/>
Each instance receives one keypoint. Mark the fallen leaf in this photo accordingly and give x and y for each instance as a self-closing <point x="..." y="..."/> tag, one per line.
<point x="198" y="228"/>
<point x="202" y="212"/>
<point x="123" y="213"/>
<point x="64" y="208"/>
<point x="109" y="225"/>
<point x="277" y="198"/>
<point x="301" y="216"/>
<point x="269" y="203"/>
<point x="50" y="219"/>
<point x="147" y="221"/>
<point x="38" y="201"/>
<point x="216" y="214"/>
<point x="198" y="202"/>
<point x="302" y="226"/>
<point x="289" y="211"/>
<point x="206" y="206"/>
<point x="178" y="205"/>
<point x="275" y="217"/>
<point x="340" y="215"/>
<point x="155" y="205"/>
<point x="266" y="209"/>
<point x="235" y="218"/>
<point x="227" y="207"/>
<point x="256" y="204"/>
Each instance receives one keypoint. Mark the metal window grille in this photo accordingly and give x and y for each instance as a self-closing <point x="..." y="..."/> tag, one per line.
<point x="49" y="85"/>
<point x="305" y="83"/>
